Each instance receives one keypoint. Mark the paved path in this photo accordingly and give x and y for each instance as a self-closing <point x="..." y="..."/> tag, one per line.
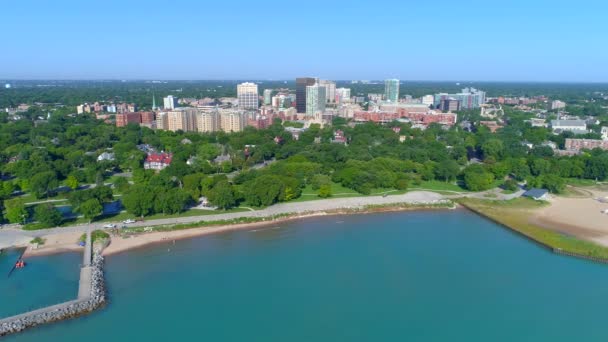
<point x="492" y="194"/>
<point x="88" y="250"/>
<point x="9" y="236"/>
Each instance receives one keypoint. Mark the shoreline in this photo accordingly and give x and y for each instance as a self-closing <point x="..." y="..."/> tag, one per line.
<point x="558" y="238"/>
<point x="122" y="244"/>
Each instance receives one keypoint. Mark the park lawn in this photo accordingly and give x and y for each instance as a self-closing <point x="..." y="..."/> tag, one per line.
<point x="580" y="182"/>
<point x="516" y="215"/>
<point x="339" y="191"/>
<point x="124" y="215"/>
<point x="188" y="213"/>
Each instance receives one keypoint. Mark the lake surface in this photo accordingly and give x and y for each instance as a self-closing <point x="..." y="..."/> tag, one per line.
<point x="44" y="281"/>
<point x="414" y="276"/>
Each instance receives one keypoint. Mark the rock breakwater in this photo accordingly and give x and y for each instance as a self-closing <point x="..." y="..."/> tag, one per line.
<point x="65" y="310"/>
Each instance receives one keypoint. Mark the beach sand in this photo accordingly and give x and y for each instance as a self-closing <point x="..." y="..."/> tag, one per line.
<point x="120" y="244"/>
<point x="581" y="216"/>
<point x="55" y="243"/>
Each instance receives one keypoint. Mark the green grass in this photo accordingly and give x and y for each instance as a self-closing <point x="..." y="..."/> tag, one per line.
<point x="516" y="214"/>
<point x="113" y="179"/>
<point x="99" y="235"/>
<point x="580" y="182"/>
<point x="436" y="185"/>
<point x="124" y="215"/>
<point x="38" y="240"/>
<point x="188" y="213"/>
<point x="339" y="191"/>
<point x="508" y="192"/>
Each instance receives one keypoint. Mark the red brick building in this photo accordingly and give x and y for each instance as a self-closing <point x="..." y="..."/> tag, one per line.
<point x="579" y="144"/>
<point x="423" y="117"/>
<point x="140" y="118"/>
<point x="127" y="118"/>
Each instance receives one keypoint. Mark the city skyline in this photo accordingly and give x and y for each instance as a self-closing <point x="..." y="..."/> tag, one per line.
<point x="540" y="41"/>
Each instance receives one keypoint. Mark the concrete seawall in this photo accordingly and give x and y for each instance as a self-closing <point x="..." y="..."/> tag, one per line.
<point x="91" y="295"/>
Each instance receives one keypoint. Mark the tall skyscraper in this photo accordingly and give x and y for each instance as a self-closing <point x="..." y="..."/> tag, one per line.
<point x="247" y="93"/>
<point x="170" y="102"/>
<point x="330" y="90"/>
<point x="267" y="97"/>
<point x="391" y="90"/>
<point x="315" y="99"/>
<point x="301" y="84"/>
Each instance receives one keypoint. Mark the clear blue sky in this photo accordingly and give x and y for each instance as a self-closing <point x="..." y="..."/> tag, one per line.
<point x="513" y="40"/>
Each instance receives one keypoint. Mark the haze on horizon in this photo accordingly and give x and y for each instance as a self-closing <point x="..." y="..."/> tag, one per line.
<point x="542" y="41"/>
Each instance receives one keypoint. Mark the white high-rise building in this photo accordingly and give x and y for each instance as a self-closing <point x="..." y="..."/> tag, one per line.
<point x="247" y="94"/>
<point x="343" y="95"/>
<point x="330" y="90"/>
<point x="428" y="100"/>
<point x="315" y="99"/>
<point x="170" y="102"/>
<point x="267" y="97"/>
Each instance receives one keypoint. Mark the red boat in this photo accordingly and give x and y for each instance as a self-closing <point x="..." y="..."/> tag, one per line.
<point x="20" y="264"/>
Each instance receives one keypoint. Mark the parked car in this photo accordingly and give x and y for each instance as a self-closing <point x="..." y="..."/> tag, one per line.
<point x="110" y="225"/>
<point x="128" y="221"/>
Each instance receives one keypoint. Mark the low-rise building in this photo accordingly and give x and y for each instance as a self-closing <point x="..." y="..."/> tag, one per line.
<point x="537" y="194"/>
<point x="574" y="126"/>
<point x="557" y="104"/>
<point x="339" y="137"/>
<point x="106" y="156"/>
<point x="157" y="161"/>
<point x="590" y="144"/>
<point x="535" y="122"/>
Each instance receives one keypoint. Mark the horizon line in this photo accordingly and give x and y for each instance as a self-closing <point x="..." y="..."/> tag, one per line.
<point x="7" y="80"/>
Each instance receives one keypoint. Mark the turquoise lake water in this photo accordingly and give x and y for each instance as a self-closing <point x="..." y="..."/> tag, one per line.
<point x="414" y="276"/>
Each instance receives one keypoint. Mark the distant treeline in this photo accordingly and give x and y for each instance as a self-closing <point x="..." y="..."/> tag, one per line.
<point x="72" y="93"/>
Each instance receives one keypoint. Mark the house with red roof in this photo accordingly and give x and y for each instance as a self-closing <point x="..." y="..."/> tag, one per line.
<point x="157" y="161"/>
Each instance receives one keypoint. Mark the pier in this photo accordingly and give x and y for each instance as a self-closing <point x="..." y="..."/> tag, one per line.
<point x="91" y="295"/>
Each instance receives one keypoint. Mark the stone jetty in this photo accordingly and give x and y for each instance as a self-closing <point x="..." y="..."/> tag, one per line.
<point x="86" y="302"/>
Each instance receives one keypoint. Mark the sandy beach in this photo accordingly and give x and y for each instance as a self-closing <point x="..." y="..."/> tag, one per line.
<point x="121" y="244"/>
<point x="55" y="243"/>
<point x="579" y="216"/>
